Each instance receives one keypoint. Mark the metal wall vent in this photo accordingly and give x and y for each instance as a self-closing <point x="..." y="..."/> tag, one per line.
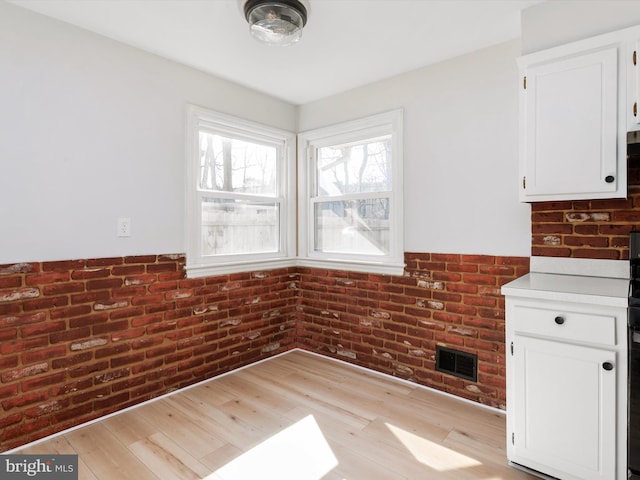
<point x="455" y="362"/>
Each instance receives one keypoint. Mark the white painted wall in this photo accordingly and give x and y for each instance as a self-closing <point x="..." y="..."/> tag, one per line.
<point x="461" y="150"/>
<point x="92" y="130"/>
<point x="556" y="22"/>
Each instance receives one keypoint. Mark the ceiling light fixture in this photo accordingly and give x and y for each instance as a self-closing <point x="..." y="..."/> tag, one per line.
<point x="276" y="22"/>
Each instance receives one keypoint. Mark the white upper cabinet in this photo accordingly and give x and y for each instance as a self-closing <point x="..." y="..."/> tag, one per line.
<point x="570" y="121"/>
<point x="574" y="111"/>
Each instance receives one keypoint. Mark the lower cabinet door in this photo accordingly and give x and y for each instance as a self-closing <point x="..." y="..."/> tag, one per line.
<point x="564" y="417"/>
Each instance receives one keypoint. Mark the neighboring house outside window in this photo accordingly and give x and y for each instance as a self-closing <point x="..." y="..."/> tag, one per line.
<point x="350" y="195"/>
<point x="240" y="195"/>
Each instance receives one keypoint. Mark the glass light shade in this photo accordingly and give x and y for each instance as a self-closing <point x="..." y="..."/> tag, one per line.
<point x="276" y="23"/>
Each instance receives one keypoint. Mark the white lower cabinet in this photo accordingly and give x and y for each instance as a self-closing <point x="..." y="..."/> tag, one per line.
<point x="566" y="387"/>
<point x="565" y="408"/>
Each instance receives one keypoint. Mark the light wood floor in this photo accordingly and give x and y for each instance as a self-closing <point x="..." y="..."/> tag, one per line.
<point x="294" y="417"/>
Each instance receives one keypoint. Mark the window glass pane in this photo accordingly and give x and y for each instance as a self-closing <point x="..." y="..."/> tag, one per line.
<point x="354" y="168"/>
<point x="357" y="226"/>
<point x="235" y="227"/>
<point x="236" y="165"/>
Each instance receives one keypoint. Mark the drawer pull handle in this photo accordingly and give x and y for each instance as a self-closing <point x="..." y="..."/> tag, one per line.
<point x="607" y="366"/>
<point x="559" y="320"/>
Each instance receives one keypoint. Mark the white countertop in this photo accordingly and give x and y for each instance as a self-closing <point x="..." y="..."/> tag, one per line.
<point x="570" y="288"/>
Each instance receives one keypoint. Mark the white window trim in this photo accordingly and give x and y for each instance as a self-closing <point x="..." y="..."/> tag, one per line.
<point x="384" y="123"/>
<point x="200" y="266"/>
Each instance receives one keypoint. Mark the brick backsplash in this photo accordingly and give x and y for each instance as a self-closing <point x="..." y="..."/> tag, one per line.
<point x="588" y="228"/>
<point x="80" y="339"/>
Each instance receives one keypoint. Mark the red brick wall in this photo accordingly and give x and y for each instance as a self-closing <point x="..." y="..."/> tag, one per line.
<point x="83" y="338"/>
<point x="589" y="228"/>
<point x="393" y="324"/>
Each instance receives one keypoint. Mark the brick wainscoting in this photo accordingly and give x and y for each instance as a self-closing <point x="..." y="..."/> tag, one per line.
<point x="84" y="338"/>
<point x="393" y="324"/>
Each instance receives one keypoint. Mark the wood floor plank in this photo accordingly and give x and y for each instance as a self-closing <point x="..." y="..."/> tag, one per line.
<point x="228" y="428"/>
<point x="254" y="414"/>
<point x="341" y="373"/>
<point x="353" y="464"/>
<point x="221" y="456"/>
<point x="130" y="427"/>
<point x="296" y="416"/>
<point x="105" y="455"/>
<point x="359" y="402"/>
<point x="167" y="459"/>
<point x="298" y="452"/>
<point x="212" y="392"/>
<point x="246" y="388"/>
<point x="60" y="445"/>
<point x="309" y="398"/>
<point x="475" y="445"/>
<point x="182" y="426"/>
<point x="457" y="413"/>
<point x="357" y="443"/>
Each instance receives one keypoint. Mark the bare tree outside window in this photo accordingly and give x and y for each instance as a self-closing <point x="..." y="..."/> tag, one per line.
<point x="354" y="181"/>
<point x="238" y="224"/>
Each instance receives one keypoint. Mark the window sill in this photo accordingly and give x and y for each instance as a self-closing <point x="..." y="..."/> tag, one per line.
<point x="199" y="271"/>
<point x="354" y="266"/>
<point x="211" y="270"/>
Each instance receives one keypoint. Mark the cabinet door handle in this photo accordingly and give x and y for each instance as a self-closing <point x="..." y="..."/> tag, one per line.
<point x="559" y="320"/>
<point x="635" y="109"/>
<point x="609" y="178"/>
<point x="607" y="366"/>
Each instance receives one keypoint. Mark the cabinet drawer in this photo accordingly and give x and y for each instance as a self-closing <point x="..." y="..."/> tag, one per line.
<point x="566" y="325"/>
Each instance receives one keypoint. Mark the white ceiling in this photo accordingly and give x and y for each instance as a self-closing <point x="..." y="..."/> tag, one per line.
<point x="346" y="43"/>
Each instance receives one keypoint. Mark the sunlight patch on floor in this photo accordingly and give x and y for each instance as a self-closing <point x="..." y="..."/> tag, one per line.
<point x="433" y="455"/>
<point x="299" y="452"/>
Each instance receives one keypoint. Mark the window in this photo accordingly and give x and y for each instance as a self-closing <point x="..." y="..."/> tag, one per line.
<point x="240" y="194"/>
<point x="351" y="195"/>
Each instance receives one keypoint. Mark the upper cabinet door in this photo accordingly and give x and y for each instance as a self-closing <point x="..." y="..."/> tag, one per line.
<point x="569" y="127"/>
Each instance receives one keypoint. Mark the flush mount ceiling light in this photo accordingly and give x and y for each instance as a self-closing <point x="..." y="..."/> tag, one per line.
<point x="276" y="22"/>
